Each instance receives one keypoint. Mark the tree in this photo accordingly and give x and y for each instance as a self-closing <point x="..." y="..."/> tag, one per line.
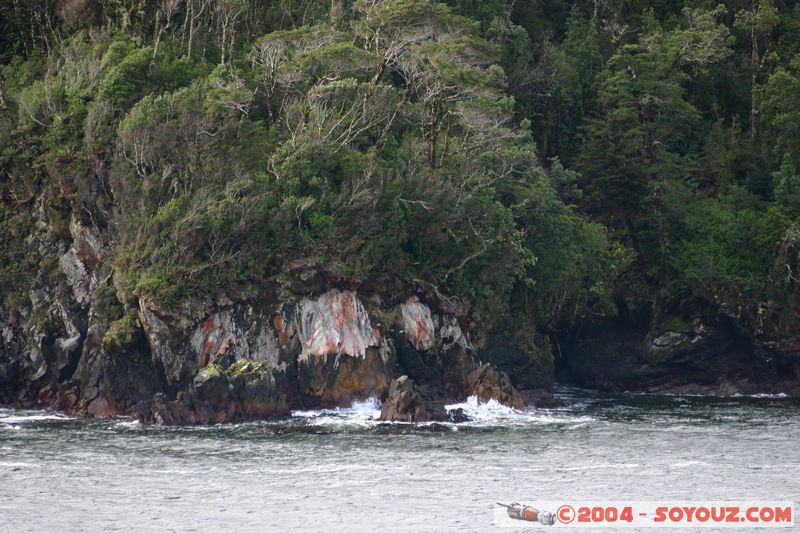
<point x="636" y="147"/>
<point x="787" y="186"/>
<point x="780" y="113"/>
<point x="758" y="22"/>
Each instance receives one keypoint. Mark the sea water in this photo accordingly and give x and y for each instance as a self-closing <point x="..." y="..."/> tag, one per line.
<point x="343" y="470"/>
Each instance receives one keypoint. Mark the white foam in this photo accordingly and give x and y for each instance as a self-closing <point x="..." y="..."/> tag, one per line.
<point x="493" y="413"/>
<point x="762" y="395"/>
<point x="19" y="418"/>
<point x="490" y="413"/>
<point x="129" y="424"/>
<point x="360" y="413"/>
<point x="684" y="464"/>
<point x="16" y="464"/>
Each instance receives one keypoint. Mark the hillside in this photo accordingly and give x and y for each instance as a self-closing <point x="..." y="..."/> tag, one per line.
<point x="282" y="204"/>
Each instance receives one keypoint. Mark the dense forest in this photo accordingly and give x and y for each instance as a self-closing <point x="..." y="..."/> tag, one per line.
<point x="529" y="164"/>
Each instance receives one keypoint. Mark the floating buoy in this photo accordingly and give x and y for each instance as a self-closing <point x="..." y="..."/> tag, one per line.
<point x="529" y="514"/>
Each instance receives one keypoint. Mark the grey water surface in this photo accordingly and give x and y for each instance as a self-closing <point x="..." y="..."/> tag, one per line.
<point x="341" y="470"/>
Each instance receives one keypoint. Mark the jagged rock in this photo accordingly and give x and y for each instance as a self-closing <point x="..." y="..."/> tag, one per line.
<point x="488" y="383"/>
<point x="407" y="403"/>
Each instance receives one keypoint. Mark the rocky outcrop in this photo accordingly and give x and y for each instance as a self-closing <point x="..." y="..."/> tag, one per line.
<point x="240" y="361"/>
<point x="407" y="403"/>
<point x="488" y="383"/>
<point x="75" y="339"/>
<point x="245" y="391"/>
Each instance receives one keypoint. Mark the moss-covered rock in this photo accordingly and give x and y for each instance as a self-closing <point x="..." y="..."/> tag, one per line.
<point x="122" y="335"/>
<point x="262" y="391"/>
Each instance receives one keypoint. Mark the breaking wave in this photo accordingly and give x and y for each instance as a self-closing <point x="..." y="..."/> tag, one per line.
<point x="366" y="414"/>
<point x="493" y="413"/>
<point x="360" y="414"/>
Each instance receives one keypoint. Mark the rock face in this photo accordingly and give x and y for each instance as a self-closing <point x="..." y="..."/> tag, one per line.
<point x="69" y="342"/>
<point x="709" y="355"/>
<point x="242" y="361"/>
<point x="417" y="324"/>
<point x="247" y="390"/>
<point x="339" y="351"/>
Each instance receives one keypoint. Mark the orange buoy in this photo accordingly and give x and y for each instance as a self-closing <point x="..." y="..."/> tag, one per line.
<point x="529" y="514"/>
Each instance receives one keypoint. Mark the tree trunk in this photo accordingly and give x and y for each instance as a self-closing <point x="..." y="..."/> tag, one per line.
<point x="754" y="68"/>
<point x="157" y="33"/>
<point x="191" y="30"/>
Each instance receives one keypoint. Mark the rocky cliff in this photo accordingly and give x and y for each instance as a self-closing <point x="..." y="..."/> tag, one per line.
<point x="712" y="353"/>
<point x="68" y="343"/>
<point x="243" y="360"/>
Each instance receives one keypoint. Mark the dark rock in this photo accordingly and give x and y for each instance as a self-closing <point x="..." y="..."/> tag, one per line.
<point x="422" y="367"/>
<point x="163" y="412"/>
<point x="262" y="392"/>
<point x="458" y="416"/>
<point x="457" y="366"/>
<point x="488" y="383"/>
<point x="247" y="390"/>
<point x="213" y="397"/>
<point x="125" y="377"/>
<point x="200" y="364"/>
<point x="714" y="355"/>
<point x="337" y="380"/>
<point x="407" y="403"/>
<point x="404" y="429"/>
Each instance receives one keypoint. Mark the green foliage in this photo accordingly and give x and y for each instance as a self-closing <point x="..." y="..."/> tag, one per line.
<point x="107" y="307"/>
<point x="728" y="245"/>
<point x="780" y="113"/>
<point x="787" y="186"/>
<point x="126" y="76"/>
<point x="532" y="163"/>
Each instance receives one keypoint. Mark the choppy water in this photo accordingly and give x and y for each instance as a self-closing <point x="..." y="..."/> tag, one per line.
<point x="342" y="470"/>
